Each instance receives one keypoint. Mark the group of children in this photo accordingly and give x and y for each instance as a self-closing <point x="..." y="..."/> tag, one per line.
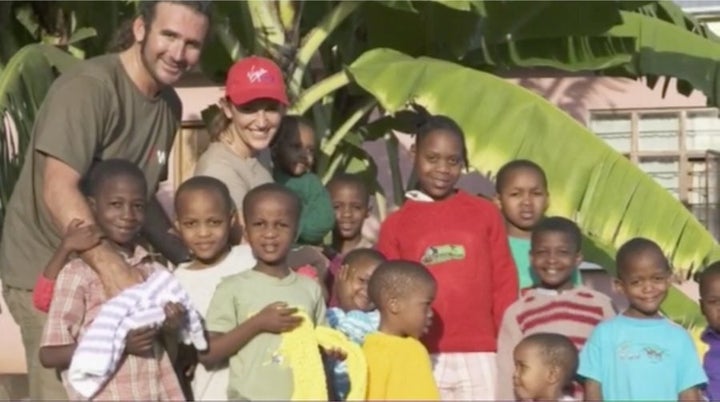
<point x="459" y="300"/>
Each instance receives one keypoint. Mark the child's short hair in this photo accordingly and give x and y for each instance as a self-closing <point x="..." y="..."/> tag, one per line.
<point x="558" y="224"/>
<point x="360" y="255"/>
<point x="517" y="164"/>
<point x="271" y="190"/>
<point x="708" y="274"/>
<point x="109" y="169"/>
<point x="352" y="180"/>
<point x="289" y="124"/>
<point x="394" y="279"/>
<point x="208" y="184"/>
<point x="556" y="350"/>
<point x="634" y="247"/>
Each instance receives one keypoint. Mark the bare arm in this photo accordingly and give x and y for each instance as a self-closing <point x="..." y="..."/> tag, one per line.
<point x="57" y="357"/>
<point x="222" y="346"/>
<point x="690" y="394"/>
<point x="65" y="202"/>
<point x="57" y="262"/>
<point x="593" y="392"/>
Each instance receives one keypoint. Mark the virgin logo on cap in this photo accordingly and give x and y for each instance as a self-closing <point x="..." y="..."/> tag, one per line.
<point x="258" y="75"/>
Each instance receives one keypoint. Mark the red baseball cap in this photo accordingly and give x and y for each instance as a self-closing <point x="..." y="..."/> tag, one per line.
<point x="255" y="78"/>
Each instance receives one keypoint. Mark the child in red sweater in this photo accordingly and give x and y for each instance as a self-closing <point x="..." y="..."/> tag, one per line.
<point x="462" y="240"/>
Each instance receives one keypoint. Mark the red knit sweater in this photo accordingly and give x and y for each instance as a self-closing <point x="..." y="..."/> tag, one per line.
<point x="462" y="241"/>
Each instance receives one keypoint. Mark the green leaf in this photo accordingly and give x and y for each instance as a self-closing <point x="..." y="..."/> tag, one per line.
<point x="438" y="30"/>
<point x="611" y="199"/>
<point x="25" y="15"/>
<point x="82" y="34"/>
<point x="23" y="84"/>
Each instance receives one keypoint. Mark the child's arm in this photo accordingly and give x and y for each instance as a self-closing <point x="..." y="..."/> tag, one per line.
<point x="689" y="371"/>
<point x="275" y="318"/>
<point x="690" y="394"/>
<point x="504" y="274"/>
<point x="593" y="392"/>
<point x="77" y="238"/>
<point x="57" y="357"/>
<point x="65" y="316"/>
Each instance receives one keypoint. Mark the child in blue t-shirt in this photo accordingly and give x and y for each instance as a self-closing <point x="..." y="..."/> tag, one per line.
<point x="641" y="355"/>
<point x="522" y="196"/>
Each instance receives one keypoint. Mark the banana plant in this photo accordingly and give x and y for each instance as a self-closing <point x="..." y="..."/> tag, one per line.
<point x="23" y="84"/>
<point x="611" y="199"/>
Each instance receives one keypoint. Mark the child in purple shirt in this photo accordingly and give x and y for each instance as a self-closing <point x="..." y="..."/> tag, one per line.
<point x="710" y="304"/>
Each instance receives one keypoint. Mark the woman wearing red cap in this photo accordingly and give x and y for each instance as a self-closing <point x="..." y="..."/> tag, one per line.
<point x="252" y="109"/>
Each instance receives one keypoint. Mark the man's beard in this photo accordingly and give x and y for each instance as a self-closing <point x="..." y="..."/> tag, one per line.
<point x="148" y="67"/>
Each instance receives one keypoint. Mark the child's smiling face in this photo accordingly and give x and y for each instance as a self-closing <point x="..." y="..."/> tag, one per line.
<point x="295" y="152"/>
<point x="203" y="222"/>
<point x="554" y="257"/>
<point x="352" y="288"/>
<point x="351" y="208"/>
<point x="119" y="208"/>
<point x="644" y="281"/>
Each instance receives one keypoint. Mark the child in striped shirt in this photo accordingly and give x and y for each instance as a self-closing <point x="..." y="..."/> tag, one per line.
<point x="117" y="194"/>
<point x="557" y="305"/>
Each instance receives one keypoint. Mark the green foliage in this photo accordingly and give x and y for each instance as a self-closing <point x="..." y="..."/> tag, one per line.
<point x="611" y="199"/>
<point x="23" y="84"/>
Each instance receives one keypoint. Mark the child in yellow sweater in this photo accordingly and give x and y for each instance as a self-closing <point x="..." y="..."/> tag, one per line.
<point x="398" y="364"/>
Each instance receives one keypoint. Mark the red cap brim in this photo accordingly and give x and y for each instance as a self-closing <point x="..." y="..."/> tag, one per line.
<point x="258" y="93"/>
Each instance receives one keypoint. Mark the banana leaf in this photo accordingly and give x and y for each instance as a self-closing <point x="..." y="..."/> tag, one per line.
<point x="24" y="82"/>
<point x="611" y="199"/>
<point x="655" y="39"/>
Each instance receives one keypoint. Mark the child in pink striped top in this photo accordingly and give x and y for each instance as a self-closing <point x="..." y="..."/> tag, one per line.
<point x="557" y="305"/>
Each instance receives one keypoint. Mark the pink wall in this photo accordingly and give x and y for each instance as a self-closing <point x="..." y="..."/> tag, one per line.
<point x="578" y="95"/>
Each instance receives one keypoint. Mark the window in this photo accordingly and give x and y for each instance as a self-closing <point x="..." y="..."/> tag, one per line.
<point x="677" y="148"/>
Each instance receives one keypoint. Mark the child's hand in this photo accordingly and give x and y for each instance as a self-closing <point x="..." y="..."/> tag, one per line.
<point x="139" y="342"/>
<point x="174" y="316"/>
<point x="277" y="318"/>
<point x="334" y="353"/>
<point x="79" y="238"/>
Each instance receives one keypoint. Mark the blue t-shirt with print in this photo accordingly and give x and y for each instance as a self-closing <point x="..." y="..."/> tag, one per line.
<point x="637" y="359"/>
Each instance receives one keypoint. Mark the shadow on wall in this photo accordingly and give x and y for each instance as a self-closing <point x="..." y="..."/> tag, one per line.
<point x="575" y="95"/>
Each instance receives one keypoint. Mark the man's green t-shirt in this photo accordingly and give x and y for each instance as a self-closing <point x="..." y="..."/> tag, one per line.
<point x="91" y="113"/>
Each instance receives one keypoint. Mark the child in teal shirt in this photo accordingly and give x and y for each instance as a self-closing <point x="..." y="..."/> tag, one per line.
<point x="522" y="196"/>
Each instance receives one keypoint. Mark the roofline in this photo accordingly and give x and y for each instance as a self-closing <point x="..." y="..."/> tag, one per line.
<point x="699" y="10"/>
